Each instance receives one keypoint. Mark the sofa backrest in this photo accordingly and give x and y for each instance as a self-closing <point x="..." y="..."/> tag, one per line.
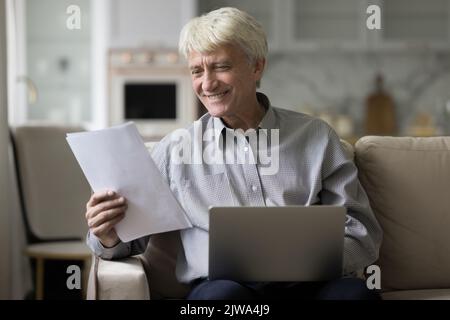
<point x="52" y="186"/>
<point x="408" y="184"/>
<point x="159" y="261"/>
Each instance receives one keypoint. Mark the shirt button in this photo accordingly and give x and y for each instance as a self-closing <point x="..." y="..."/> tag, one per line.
<point x="254" y="188"/>
<point x="246" y="149"/>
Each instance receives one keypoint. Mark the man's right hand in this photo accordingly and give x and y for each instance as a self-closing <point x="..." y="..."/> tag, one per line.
<point x="103" y="211"/>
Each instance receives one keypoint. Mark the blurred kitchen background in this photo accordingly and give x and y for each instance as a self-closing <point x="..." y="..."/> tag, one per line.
<point x="323" y="61"/>
<point x="119" y="62"/>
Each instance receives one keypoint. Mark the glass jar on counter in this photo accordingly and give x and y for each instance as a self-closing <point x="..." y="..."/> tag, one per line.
<point x="442" y="111"/>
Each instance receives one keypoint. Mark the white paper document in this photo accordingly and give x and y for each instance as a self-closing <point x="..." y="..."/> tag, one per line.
<point x="117" y="159"/>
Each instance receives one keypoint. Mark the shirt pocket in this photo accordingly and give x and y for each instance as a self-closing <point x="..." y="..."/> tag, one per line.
<point x="202" y="191"/>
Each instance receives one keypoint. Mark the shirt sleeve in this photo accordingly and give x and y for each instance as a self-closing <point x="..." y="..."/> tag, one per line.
<point x="120" y="250"/>
<point x="341" y="186"/>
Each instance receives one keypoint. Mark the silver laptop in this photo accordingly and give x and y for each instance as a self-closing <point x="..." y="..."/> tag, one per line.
<point x="293" y="243"/>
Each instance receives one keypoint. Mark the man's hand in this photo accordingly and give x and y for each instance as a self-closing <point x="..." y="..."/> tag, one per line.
<point x="103" y="211"/>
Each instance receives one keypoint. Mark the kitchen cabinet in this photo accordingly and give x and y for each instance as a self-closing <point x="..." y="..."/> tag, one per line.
<point x="305" y="25"/>
<point x="416" y="24"/>
<point x="144" y="23"/>
<point x="319" y="24"/>
<point x="405" y="25"/>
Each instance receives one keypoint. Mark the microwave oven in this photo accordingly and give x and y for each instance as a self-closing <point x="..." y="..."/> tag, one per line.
<point x="158" y="99"/>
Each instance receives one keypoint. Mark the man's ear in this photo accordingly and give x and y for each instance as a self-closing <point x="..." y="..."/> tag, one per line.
<point x="260" y="64"/>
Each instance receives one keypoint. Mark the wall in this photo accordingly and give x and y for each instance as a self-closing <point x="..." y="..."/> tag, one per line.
<point x="339" y="83"/>
<point x="4" y="175"/>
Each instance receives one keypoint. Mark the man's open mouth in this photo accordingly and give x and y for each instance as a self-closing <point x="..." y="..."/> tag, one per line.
<point x="217" y="95"/>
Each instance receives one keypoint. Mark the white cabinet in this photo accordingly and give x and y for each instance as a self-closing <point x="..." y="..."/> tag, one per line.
<point x="302" y="24"/>
<point x="315" y="24"/>
<point x="148" y="23"/>
<point x="405" y="24"/>
<point x="416" y="24"/>
<point x="297" y="25"/>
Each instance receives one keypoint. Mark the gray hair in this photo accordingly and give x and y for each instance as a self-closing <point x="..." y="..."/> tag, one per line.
<point x="224" y="26"/>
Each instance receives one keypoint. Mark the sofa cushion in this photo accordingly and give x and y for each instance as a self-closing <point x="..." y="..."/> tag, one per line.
<point x="408" y="184"/>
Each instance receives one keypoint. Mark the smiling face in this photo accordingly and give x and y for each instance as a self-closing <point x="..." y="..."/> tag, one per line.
<point x="225" y="82"/>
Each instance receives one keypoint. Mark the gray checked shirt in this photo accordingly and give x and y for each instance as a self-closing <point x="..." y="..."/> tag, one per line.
<point x="311" y="168"/>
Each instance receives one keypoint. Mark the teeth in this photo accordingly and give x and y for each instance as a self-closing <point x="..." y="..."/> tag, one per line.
<point x="217" y="95"/>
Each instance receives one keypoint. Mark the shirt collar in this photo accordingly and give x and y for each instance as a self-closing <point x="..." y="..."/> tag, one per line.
<point x="267" y="122"/>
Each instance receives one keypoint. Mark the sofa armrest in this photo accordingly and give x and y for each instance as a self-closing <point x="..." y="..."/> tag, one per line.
<point x="123" y="279"/>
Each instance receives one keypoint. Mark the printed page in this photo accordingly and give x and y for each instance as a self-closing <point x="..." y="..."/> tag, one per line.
<point x="117" y="159"/>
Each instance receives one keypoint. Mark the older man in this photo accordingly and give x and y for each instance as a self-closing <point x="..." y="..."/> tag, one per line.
<point x="226" y="50"/>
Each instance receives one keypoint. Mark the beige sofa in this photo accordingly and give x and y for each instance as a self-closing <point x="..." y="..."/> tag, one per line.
<point x="408" y="184"/>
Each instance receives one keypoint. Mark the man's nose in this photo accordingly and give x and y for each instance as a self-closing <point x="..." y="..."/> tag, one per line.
<point x="210" y="82"/>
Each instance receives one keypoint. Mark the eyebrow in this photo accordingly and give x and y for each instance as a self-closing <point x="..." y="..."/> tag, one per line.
<point x="224" y="61"/>
<point x="215" y="63"/>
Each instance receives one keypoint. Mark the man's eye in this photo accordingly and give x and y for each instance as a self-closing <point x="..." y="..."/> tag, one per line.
<point x="195" y="72"/>
<point x="222" y="67"/>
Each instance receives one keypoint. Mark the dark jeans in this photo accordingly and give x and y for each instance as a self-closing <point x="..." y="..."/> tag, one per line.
<point x="339" y="289"/>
